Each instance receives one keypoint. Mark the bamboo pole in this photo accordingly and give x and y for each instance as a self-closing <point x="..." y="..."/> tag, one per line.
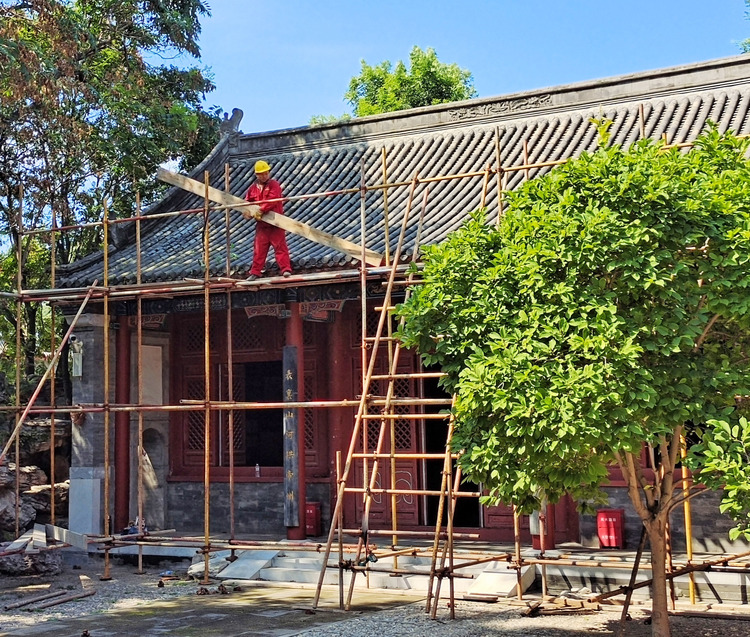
<point x="485" y="186"/>
<point x="517" y="548"/>
<point x="447" y="464"/>
<point x="53" y="376"/>
<point x="107" y="437"/>
<point x="19" y="321"/>
<point x="633" y="576"/>
<point x="386" y="225"/>
<point x="687" y="482"/>
<point x="230" y="367"/>
<point x="206" y="380"/>
<point x="139" y="369"/>
<point x="67" y="598"/>
<point x="500" y="176"/>
<point x="340" y="525"/>
<point x="33" y="600"/>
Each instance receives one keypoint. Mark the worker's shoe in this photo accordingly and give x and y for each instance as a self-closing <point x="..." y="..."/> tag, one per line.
<point x="252" y="277"/>
<point x="286" y="274"/>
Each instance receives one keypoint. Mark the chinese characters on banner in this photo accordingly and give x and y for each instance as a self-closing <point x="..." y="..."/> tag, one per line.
<point x="291" y="442"/>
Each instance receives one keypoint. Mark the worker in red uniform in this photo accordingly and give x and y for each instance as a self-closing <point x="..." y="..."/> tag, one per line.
<point x="267" y="235"/>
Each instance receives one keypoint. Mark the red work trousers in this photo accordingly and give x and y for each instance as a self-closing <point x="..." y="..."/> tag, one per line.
<point x="267" y="235"/>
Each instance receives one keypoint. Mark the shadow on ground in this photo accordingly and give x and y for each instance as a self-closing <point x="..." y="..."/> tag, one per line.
<point x="253" y="612"/>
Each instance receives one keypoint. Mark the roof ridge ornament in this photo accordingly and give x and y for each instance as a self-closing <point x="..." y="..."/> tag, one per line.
<point x="231" y="125"/>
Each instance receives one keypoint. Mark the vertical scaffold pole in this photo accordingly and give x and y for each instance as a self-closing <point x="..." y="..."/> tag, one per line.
<point x="19" y="321"/>
<point x="207" y="380"/>
<point x="107" y="437"/>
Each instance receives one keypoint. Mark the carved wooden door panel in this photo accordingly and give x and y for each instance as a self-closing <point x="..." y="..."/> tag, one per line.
<point x="403" y="438"/>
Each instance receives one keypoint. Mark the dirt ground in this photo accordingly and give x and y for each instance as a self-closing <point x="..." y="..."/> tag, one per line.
<point x="133" y="603"/>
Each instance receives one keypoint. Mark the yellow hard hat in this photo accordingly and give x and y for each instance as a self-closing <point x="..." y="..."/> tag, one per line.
<point x="261" y="166"/>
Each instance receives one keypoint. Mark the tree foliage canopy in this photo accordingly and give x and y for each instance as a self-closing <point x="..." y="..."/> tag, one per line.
<point x="609" y="308"/>
<point x="88" y="110"/>
<point x="84" y="109"/>
<point x="383" y="88"/>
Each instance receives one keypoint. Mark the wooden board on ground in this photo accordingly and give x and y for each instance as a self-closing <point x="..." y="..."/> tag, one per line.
<point x="68" y="537"/>
<point x="280" y="221"/>
<point x="19" y="543"/>
<point x="39" y="538"/>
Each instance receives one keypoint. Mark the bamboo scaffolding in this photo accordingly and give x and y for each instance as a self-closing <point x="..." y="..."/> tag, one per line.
<point x="444" y="565"/>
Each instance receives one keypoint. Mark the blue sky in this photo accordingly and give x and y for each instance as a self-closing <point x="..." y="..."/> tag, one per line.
<point x="284" y="61"/>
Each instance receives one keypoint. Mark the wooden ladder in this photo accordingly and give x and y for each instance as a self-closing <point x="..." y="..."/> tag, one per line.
<point x="372" y="460"/>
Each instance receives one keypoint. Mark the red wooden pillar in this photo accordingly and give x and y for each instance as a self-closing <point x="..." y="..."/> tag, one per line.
<point x="294" y="337"/>
<point x="122" y="426"/>
<point x="339" y="388"/>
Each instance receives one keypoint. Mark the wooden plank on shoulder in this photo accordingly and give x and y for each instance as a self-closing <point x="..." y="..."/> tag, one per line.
<point x="280" y="221"/>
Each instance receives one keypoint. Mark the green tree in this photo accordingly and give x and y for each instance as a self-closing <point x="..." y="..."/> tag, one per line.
<point x="610" y="308"/>
<point x="383" y="88"/>
<point x="88" y="110"/>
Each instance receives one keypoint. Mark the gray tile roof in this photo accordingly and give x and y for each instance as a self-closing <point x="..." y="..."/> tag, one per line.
<point x="552" y="124"/>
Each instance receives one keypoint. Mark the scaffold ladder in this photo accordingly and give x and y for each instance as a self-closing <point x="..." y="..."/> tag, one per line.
<point x="373" y="459"/>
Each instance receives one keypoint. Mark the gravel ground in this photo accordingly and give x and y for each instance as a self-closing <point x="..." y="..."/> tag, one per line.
<point x="127" y="589"/>
<point x="487" y="620"/>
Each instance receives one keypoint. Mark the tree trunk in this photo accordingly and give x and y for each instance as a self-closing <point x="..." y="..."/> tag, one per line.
<point x="659" y="608"/>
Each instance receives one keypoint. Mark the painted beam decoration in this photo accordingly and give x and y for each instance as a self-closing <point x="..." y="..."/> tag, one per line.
<point x="280" y="221"/>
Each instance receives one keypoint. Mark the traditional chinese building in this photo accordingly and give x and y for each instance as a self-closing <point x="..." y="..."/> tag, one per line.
<point x="443" y="162"/>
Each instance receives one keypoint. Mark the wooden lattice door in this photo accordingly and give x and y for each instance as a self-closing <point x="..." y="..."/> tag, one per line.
<point x="403" y="441"/>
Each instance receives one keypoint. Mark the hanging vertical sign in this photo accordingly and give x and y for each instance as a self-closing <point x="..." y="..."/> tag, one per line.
<point x="291" y="440"/>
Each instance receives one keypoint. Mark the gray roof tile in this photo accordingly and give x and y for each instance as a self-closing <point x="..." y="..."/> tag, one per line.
<point x="434" y="141"/>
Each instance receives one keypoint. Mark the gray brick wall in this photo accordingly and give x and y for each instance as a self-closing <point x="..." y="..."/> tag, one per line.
<point x="710" y="528"/>
<point x="259" y="506"/>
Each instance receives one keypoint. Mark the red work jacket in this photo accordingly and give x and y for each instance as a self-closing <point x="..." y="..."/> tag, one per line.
<point x="259" y="193"/>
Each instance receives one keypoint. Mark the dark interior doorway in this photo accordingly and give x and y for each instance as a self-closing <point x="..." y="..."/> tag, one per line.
<point x="264" y="428"/>
<point x="467" y="509"/>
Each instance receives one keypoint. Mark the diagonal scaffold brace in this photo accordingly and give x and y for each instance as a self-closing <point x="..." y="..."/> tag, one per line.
<point x="47" y="373"/>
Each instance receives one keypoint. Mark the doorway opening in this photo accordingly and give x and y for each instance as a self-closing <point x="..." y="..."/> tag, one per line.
<point x="468" y="510"/>
<point x="264" y="428"/>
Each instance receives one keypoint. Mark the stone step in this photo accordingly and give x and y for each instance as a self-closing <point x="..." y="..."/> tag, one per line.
<point x="299" y="562"/>
<point x="502" y="582"/>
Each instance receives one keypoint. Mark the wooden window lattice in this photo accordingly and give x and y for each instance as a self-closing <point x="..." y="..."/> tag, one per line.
<point x="246" y="337"/>
<point x="193" y="339"/>
<point x="402" y="428"/>
<point x="238" y="417"/>
<point x="309" y="416"/>
<point x="195" y="437"/>
<point x="196" y="420"/>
